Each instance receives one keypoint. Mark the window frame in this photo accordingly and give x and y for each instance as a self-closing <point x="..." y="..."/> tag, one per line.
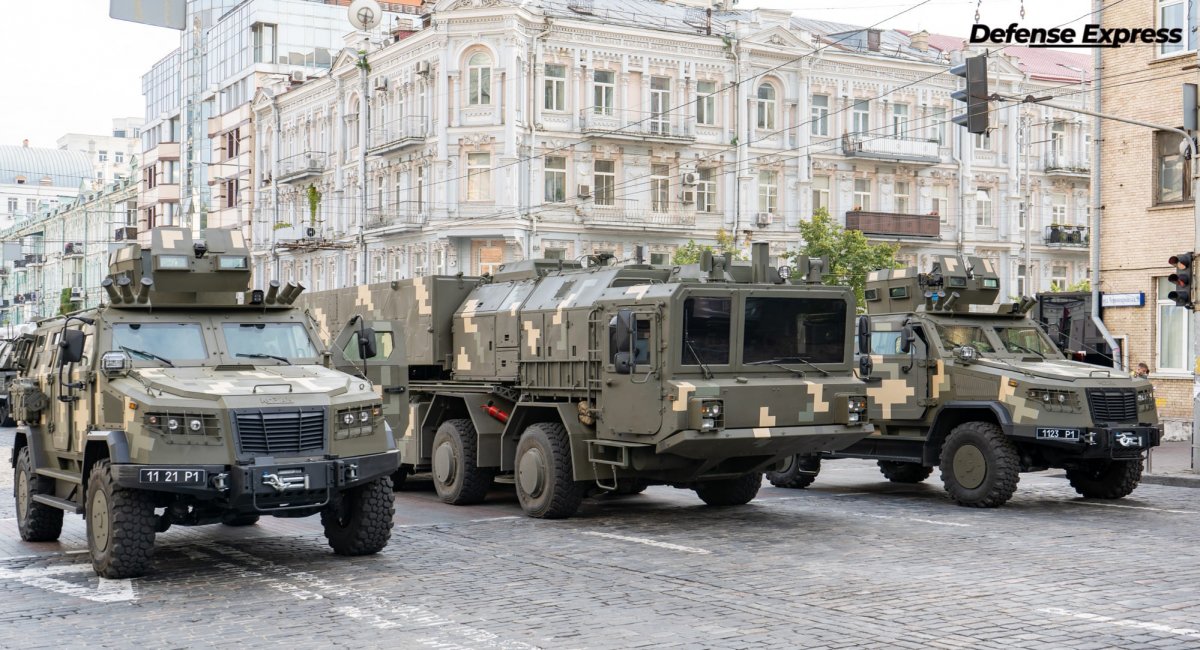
<point x="555" y="179"/>
<point x="862" y="198"/>
<point x="660" y="187"/>
<point x="1166" y="305"/>
<point x="990" y="221"/>
<point x="819" y="116"/>
<point x="820" y="194"/>
<point x="768" y="191"/>
<point x="555" y="88"/>
<point x="604" y="93"/>
<point x="900" y="120"/>
<point x="479" y="177"/>
<point x="604" y="193"/>
<point x="479" y="79"/>
<point x="860" y="116"/>
<point x="1186" y="190"/>
<point x="766" y="108"/>
<point x="706" y="103"/>
<point x="706" y="190"/>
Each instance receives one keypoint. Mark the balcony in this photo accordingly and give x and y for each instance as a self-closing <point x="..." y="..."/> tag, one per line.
<point x="911" y="150"/>
<point x="631" y="212"/>
<point x="1060" y="164"/>
<point x="161" y="193"/>
<point x="309" y="164"/>
<point x="397" y="134"/>
<point x="405" y="215"/>
<point x="640" y="126"/>
<point x="1061" y="236"/>
<point x="72" y="250"/>
<point x="892" y="224"/>
<point x="125" y="233"/>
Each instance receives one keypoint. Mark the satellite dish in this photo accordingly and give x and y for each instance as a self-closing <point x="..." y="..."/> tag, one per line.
<point x="365" y="14"/>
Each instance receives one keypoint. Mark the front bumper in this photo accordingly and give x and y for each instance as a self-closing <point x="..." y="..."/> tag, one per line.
<point x="763" y="441"/>
<point x="1115" y="442"/>
<point x="267" y="487"/>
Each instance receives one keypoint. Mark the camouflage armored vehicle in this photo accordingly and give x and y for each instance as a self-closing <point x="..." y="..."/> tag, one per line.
<point x="8" y="371"/>
<point x="190" y="400"/>
<point x="564" y="378"/>
<point x="985" y="394"/>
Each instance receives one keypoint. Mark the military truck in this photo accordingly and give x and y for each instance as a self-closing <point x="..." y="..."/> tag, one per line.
<point x="566" y="378"/>
<point x="189" y="399"/>
<point x="981" y="391"/>
<point x="7" y="372"/>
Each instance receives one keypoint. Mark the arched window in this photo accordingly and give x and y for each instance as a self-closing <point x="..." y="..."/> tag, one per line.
<point x="479" y="80"/>
<point x="766" y="106"/>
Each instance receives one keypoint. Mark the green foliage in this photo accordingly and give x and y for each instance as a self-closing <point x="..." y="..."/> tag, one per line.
<point x="65" y="304"/>
<point x="849" y="255"/>
<point x="281" y="225"/>
<point x="1077" y="287"/>
<point x="690" y="252"/>
<point x="314" y="202"/>
<point x="362" y="63"/>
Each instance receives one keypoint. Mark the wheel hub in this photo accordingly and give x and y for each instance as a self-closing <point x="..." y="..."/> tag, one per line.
<point x="98" y="516"/>
<point x="531" y="472"/>
<point x="443" y="464"/>
<point x="970" y="468"/>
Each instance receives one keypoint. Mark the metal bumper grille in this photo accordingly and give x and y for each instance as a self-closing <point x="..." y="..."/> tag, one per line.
<point x="1113" y="404"/>
<point x="279" y="432"/>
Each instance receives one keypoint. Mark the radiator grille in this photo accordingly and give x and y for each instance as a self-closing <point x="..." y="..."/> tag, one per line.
<point x="1113" y="404"/>
<point x="280" y="432"/>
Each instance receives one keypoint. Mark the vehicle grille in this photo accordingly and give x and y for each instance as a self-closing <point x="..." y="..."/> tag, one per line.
<point x="1113" y="404"/>
<point x="280" y="432"/>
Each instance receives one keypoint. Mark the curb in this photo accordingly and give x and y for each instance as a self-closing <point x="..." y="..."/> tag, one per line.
<point x="1173" y="480"/>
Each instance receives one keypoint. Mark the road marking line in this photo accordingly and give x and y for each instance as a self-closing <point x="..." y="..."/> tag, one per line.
<point x="923" y="521"/>
<point x="105" y="591"/>
<point x="649" y="542"/>
<point x="1117" y="505"/>
<point x="1188" y="632"/>
<point x="479" y="521"/>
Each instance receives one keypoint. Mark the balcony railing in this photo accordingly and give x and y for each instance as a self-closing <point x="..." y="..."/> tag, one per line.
<point x="867" y="145"/>
<point x="1062" y="235"/>
<point x="1059" y="164"/>
<point x="634" y="212"/>
<point x="125" y="233"/>
<point x="894" y="224"/>
<point x="402" y="215"/>
<point x="397" y="134"/>
<point x="301" y="166"/>
<point x="618" y="123"/>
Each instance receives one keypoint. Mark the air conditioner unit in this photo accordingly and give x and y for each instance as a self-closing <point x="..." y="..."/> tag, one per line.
<point x="299" y="76"/>
<point x="763" y="219"/>
<point x="422" y="67"/>
<point x="381" y="83"/>
<point x="687" y="196"/>
<point x="76" y="293"/>
<point x="690" y="178"/>
<point x="585" y="191"/>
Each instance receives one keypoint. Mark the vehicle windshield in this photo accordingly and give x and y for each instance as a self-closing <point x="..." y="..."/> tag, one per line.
<point x="954" y="336"/>
<point x="286" y="340"/>
<point x="170" y="341"/>
<point x="706" y="330"/>
<point x="794" y="329"/>
<point x="1026" y="339"/>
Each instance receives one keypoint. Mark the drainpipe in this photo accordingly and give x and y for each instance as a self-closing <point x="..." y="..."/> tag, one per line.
<point x="531" y="127"/>
<point x="1096" y="201"/>
<point x="275" y="142"/>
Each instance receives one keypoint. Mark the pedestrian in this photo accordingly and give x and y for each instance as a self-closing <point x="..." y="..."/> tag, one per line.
<point x="1142" y="370"/>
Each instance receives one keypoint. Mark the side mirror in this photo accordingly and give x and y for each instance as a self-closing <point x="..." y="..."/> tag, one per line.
<point x="71" y="343"/>
<point x="366" y="343"/>
<point x="624" y="331"/>
<point x="623" y="364"/>
<point x="864" y="335"/>
<point x="907" y="336"/>
<point x="865" y="366"/>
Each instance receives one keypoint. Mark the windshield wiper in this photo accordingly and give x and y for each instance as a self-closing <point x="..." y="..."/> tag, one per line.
<point x="259" y="355"/>
<point x="781" y="360"/>
<point x="1022" y="347"/>
<point x="146" y="355"/>
<point x="707" y="374"/>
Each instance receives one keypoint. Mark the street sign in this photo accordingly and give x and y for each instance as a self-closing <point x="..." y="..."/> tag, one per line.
<point x="1123" y="299"/>
<point x="160" y="13"/>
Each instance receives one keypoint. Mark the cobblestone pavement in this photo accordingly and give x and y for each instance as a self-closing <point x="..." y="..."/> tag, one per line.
<point x="851" y="562"/>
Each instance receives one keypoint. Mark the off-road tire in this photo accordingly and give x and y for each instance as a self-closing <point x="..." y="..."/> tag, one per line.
<point x="551" y="492"/>
<point x="359" y="521"/>
<point x="1106" y="479"/>
<point x="901" y="472"/>
<point x="238" y="520"/>
<point x="798" y="473"/>
<point x="467" y="483"/>
<point x="120" y="526"/>
<point x="730" y="491"/>
<point x="988" y="466"/>
<point x="37" y="522"/>
<point x="630" y="486"/>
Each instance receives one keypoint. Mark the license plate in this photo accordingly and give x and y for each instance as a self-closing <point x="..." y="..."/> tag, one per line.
<point x="172" y="476"/>
<point x="1057" y="434"/>
<point x="1127" y="440"/>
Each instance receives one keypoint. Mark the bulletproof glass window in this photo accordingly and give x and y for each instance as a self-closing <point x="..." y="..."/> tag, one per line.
<point x="288" y="340"/>
<point x="643" y="351"/>
<point x="954" y="336"/>
<point x="706" y="330"/>
<point x="885" y="342"/>
<point x="786" y="328"/>
<point x="383" y="346"/>
<point x="1026" y="339"/>
<point x="173" y="341"/>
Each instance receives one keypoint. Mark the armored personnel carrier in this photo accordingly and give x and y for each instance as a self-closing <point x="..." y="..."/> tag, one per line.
<point x="563" y="378"/>
<point x="189" y="400"/>
<point x="982" y="392"/>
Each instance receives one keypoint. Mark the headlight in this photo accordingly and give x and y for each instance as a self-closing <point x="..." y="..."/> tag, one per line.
<point x="857" y="404"/>
<point x="172" y="424"/>
<point x="1054" y="400"/>
<point x="358" y="421"/>
<point x="182" y="425"/>
<point x="195" y="425"/>
<point x="710" y="409"/>
<point x="348" y="419"/>
<point x="709" y="415"/>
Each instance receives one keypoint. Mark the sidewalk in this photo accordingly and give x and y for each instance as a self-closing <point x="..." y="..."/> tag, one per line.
<point x="1171" y="464"/>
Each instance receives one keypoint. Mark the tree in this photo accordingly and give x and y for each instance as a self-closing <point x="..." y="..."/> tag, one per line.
<point x="1082" y="286"/>
<point x="690" y="252"/>
<point x="849" y="256"/>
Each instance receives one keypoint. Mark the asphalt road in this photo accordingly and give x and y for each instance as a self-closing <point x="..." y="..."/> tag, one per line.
<point x="851" y="562"/>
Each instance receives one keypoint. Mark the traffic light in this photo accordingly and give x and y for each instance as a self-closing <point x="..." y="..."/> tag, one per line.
<point x="974" y="70"/>
<point x="1182" y="279"/>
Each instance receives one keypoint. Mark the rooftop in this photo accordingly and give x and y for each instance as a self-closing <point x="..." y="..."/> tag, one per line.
<point x="44" y="167"/>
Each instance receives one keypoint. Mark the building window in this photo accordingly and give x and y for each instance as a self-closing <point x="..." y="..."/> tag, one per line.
<point x="937" y="126"/>
<point x="1058" y="277"/>
<point x="660" y="259"/>
<point x="1021" y="216"/>
<point x="706" y="103"/>
<point x="902" y="197"/>
<point x="479" y="80"/>
<point x="31" y="206"/>
<point x="660" y="187"/>
<point x="231" y="193"/>
<point x="660" y="105"/>
<point x="263" y="36"/>
<point x="1181" y="15"/>
<point x="899" y="120"/>
<point x="556" y="179"/>
<point x="1171" y="169"/>
<point x="605" y="178"/>
<point x="983" y="207"/>
<point x="983" y="141"/>
<point x="556" y="88"/>
<point x="13" y="206"/>
<point x="1058" y="139"/>
<point x="1174" y="324"/>
<point x="768" y="192"/>
<point x="819" y="122"/>
<point x="820" y="193"/>
<point x="119" y="157"/>
<point x="941" y="202"/>
<point x="1058" y="208"/>
<point x="862" y="194"/>
<point x="766" y="106"/>
<point x="706" y="190"/>
<point x="420" y="189"/>
<point x="102" y="156"/>
<point x="861" y="116"/>
<point x="1021" y="280"/>
<point x="479" y="177"/>
<point x="604" y="92"/>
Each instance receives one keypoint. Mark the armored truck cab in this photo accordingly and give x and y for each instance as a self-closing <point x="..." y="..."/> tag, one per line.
<point x="982" y="392"/>
<point x="191" y="400"/>
<point x="556" y="376"/>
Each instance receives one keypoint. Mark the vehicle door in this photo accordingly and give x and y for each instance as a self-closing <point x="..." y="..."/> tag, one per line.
<point x="902" y="367"/>
<point x="387" y="370"/>
<point x="631" y="382"/>
<point x="70" y="399"/>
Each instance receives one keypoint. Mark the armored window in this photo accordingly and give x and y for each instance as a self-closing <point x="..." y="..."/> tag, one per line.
<point x="898" y="293"/>
<point x="954" y="336"/>
<point x="171" y="341"/>
<point x="603" y="92"/>
<point x="556" y="88"/>
<point x="660" y="259"/>
<point x="479" y="177"/>
<point x="819" y="123"/>
<point x="556" y="179"/>
<point x="766" y="106"/>
<point x="885" y="342"/>
<point x="871" y="294"/>
<point x="706" y="103"/>
<point x="288" y="340"/>
<point x="383" y="346"/>
<point x="479" y="80"/>
<point x="1026" y="339"/>
<point x="706" y="331"/>
<point x="956" y="281"/>
<point x="791" y="329"/>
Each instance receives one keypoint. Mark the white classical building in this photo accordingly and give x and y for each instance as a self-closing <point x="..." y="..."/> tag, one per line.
<point x="112" y="154"/>
<point x="504" y="130"/>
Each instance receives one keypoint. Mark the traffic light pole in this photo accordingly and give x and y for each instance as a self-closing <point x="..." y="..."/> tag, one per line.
<point x="1195" y="329"/>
